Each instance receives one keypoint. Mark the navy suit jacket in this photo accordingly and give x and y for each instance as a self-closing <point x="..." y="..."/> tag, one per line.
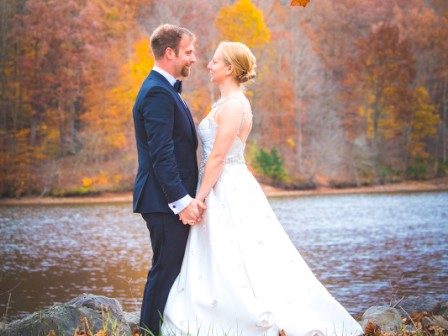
<point x="166" y="144"/>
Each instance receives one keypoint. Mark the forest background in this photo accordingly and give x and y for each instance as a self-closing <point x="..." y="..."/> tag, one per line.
<point x="347" y="93"/>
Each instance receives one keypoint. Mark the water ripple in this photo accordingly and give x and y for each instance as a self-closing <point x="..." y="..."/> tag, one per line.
<point x="366" y="249"/>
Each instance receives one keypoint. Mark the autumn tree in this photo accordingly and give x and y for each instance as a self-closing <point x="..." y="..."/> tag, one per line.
<point x="427" y="28"/>
<point x="108" y="128"/>
<point x="273" y="99"/>
<point x="393" y="112"/>
<point x="9" y="94"/>
<point x="46" y="38"/>
<point x="50" y="60"/>
<point x="345" y="90"/>
<point x="122" y="61"/>
<point x="243" y="22"/>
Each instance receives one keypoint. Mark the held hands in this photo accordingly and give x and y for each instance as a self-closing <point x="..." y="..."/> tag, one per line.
<point x="192" y="214"/>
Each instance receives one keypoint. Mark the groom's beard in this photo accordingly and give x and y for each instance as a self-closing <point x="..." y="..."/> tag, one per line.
<point x="185" y="72"/>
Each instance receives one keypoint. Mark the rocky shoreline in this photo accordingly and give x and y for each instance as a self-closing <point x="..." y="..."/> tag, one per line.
<point x="94" y="315"/>
<point x="439" y="184"/>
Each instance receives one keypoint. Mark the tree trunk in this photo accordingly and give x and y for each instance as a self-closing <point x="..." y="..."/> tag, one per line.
<point x="61" y="122"/>
<point x="3" y="33"/>
<point x="71" y="125"/>
<point x="445" y="120"/>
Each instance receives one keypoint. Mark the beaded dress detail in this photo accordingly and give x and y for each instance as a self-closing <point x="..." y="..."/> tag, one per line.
<point x="241" y="274"/>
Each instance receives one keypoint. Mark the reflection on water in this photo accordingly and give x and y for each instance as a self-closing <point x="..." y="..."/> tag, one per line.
<point x="366" y="249"/>
<point x="372" y="249"/>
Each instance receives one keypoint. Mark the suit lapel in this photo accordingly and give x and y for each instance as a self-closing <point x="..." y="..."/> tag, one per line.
<point x="180" y="103"/>
<point x="189" y="116"/>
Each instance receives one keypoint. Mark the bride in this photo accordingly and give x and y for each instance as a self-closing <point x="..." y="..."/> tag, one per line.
<point x="241" y="275"/>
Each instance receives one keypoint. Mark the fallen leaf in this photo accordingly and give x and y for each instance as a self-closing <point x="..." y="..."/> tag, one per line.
<point x="435" y="322"/>
<point x="79" y="333"/>
<point x="372" y="329"/>
<point x="418" y="316"/>
<point x="302" y="3"/>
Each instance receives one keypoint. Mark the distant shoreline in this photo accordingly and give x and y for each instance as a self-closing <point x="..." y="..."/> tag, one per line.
<point x="440" y="184"/>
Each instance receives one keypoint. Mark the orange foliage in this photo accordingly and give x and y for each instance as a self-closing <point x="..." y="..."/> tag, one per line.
<point x="302" y="3"/>
<point x="110" y="104"/>
<point x="70" y="71"/>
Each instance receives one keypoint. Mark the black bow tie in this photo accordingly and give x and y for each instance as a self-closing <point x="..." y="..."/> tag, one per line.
<point x="178" y="86"/>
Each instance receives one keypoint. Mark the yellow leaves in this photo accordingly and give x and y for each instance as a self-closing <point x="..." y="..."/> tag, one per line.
<point x="291" y="143"/>
<point x="415" y="118"/>
<point x="117" y="178"/>
<point x="426" y="116"/>
<point x="302" y="3"/>
<point x="113" y="14"/>
<point x="140" y="63"/>
<point x="98" y="180"/>
<point x="118" y="141"/>
<point x="86" y="182"/>
<point x="197" y="104"/>
<point x="411" y="116"/>
<point x="423" y="124"/>
<point x="109" y="117"/>
<point x="243" y="22"/>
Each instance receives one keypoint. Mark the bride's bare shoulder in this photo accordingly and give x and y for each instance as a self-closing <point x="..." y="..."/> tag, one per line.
<point x="236" y="105"/>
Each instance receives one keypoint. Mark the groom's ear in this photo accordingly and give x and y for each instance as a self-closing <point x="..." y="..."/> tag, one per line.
<point x="170" y="53"/>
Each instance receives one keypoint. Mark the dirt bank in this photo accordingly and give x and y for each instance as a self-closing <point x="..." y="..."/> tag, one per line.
<point x="440" y="184"/>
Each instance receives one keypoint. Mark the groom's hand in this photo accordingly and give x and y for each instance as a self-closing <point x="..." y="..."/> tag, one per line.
<point x="192" y="214"/>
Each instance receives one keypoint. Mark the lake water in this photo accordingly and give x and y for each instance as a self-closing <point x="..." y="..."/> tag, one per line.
<point x="367" y="249"/>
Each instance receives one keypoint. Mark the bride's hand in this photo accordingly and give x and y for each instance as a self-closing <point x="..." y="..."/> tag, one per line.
<point x="192" y="214"/>
<point x="201" y="207"/>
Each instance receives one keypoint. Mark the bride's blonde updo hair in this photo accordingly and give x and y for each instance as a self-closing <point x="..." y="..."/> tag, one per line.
<point x="241" y="58"/>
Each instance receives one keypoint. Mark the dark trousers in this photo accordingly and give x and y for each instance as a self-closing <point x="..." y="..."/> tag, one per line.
<point x="168" y="239"/>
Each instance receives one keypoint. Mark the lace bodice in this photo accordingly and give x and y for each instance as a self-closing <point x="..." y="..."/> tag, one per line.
<point x="208" y="130"/>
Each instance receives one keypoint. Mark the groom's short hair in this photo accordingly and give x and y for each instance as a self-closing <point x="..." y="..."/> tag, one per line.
<point x="168" y="36"/>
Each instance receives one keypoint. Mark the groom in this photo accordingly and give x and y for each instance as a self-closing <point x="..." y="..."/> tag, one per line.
<point x="167" y="173"/>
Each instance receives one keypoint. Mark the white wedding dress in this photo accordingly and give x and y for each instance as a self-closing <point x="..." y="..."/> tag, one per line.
<point x="241" y="275"/>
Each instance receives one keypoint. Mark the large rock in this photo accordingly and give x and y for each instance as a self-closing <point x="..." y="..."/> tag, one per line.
<point x="132" y="319"/>
<point x="419" y="304"/>
<point x="444" y="310"/>
<point x="64" y="319"/>
<point x="436" y="321"/>
<point x="388" y="318"/>
<point x="97" y="303"/>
